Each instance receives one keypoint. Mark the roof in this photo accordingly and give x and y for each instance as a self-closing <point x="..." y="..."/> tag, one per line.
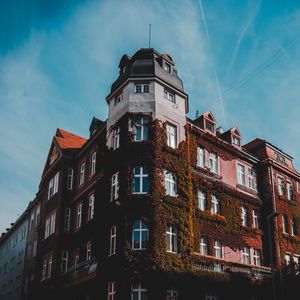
<point x="147" y="62"/>
<point x="69" y="140"/>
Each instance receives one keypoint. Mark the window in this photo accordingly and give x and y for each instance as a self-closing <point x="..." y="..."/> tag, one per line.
<point x="170" y="184"/>
<point x="280" y="185"/>
<point x="172" y="295"/>
<point x="140" y="184"/>
<point x="31" y="224"/>
<point x="53" y="186"/>
<point x="82" y="173"/>
<point x="293" y="228"/>
<point x="285" y="224"/>
<point x="203" y="246"/>
<point x="202" y="202"/>
<point x="93" y="163"/>
<point x="200" y="157"/>
<point x="113" y="240"/>
<point x="244" y="216"/>
<point x="167" y="67"/>
<point x="171" y="135"/>
<point x="214" y="163"/>
<point x="172" y="239"/>
<point x="241" y="174"/>
<point x="236" y="141"/>
<point x="37" y="218"/>
<point x="79" y="216"/>
<point x="115" y="187"/>
<point x="49" y="268"/>
<point x="287" y="259"/>
<point x="256" y="257"/>
<point x="44" y="269"/>
<point x="138" y="292"/>
<point x="211" y="295"/>
<point x="289" y="189"/>
<point x="64" y="260"/>
<point x="34" y="248"/>
<point x="118" y="99"/>
<point x="91" y="208"/>
<point x="67" y="219"/>
<point x="50" y="225"/>
<point x="246" y="255"/>
<point x="251" y="179"/>
<point x="142" y="88"/>
<point x="76" y="257"/>
<point x="88" y="250"/>
<point x="140" y="235"/>
<point x="215" y="205"/>
<point x="210" y="126"/>
<point x="141" y="127"/>
<point x="218" y="249"/>
<point x="70" y="179"/>
<point x="169" y="96"/>
<point x="111" y="294"/>
<point x="255" y="216"/>
<point x="116" y="138"/>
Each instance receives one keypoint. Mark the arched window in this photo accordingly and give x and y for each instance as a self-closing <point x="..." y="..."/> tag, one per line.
<point x="140" y="235"/>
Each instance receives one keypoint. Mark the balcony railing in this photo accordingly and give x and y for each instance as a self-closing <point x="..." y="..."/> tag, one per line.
<point x="81" y="269"/>
<point x="257" y="272"/>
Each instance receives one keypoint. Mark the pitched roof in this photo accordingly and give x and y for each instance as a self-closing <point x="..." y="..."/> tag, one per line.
<point x="69" y="140"/>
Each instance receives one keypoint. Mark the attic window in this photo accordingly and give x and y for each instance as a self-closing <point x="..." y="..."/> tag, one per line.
<point x="210" y="126"/>
<point x="236" y="141"/>
<point x="167" y="67"/>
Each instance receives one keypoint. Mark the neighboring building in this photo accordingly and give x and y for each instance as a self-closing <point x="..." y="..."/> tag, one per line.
<point x="12" y="258"/>
<point x="31" y="254"/>
<point x="154" y="205"/>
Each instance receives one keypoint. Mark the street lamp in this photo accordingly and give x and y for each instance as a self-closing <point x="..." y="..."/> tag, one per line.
<point x="270" y="217"/>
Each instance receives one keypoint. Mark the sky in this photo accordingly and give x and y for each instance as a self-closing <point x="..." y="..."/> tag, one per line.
<point x="239" y="59"/>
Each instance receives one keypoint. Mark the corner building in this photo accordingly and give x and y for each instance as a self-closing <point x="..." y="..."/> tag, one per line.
<point x="154" y="205"/>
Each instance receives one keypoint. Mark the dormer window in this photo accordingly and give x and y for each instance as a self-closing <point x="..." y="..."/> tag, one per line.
<point x="169" y="96"/>
<point x="236" y="141"/>
<point x="167" y="67"/>
<point x="210" y="126"/>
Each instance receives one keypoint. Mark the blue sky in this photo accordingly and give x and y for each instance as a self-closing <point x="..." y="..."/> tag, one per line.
<point x="58" y="59"/>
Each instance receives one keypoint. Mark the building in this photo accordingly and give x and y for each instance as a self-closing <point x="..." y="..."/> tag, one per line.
<point x="12" y="258"/>
<point x="155" y="205"/>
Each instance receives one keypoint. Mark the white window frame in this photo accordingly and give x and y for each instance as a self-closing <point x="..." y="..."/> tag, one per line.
<point x="140" y="230"/>
<point x="143" y="173"/>
<point x="44" y="269"/>
<point x="82" y="173"/>
<point x="201" y="157"/>
<point x="172" y="236"/>
<point x="111" y="290"/>
<point x="115" y="187"/>
<point x="287" y="259"/>
<point x="292" y="227"/>
<point x="91" y="208"/>
<point x="113" y="240"/>
<point x="67" y="219"/>
<point x="172" y="294"/>
<point x="79" y="216"/>
<point x="255" y="218"/>
<point x="170" y="184"/>
<point x="289" y="190"/>
<point x="169" y="96"/>
<point x="64" y="260"/>
<point x="256" y="257"/>
<point x="142" y="125"/>
<point x="204" y="245"/>
<point x="93" y="163"/>
<point x="236" y="140"/>
<point x="284" y="227"/>
<point x="49" y="267"/>
<point x="245" y="220"/>
<point x="246" y="258"/>
<point x="241" y="176"/>
<point x="218" y="249"/>
<point x="116" y="138"/>
<point x="202" y="201"/>
<point x="214" y="164"/>
<point x="280" y="185"/>
<point x="141" y="88"/>
<point x="70" y="178"/>
<point x="139" y="291"/>
<point x="252" y="179"/>
<point x="52" y="227"/>
<point x="215" y="205"/>
<point x="53" y="186"/>
<point x="171" y="130"/>
<point x="89" y="250"/>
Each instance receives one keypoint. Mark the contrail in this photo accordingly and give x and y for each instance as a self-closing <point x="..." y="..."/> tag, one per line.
<point x="214" y="64"/>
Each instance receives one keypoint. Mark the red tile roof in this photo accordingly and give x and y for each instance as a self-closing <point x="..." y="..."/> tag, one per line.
<point x="69" y="140"/>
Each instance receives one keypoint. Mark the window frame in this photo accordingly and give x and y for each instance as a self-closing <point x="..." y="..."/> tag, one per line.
<point x="115" y="186"/>
<point x="113" y="240"/>
<point x="241" y="174"/>
<point x="93" y="163"/>
<point x="171" y="184"/>
<point x="202" y="200"/>
<point x="172" y="239"/>
<point x="116" y="138"/>
<point x="214" y="163"/>
<point x="141" y="176"/>
<point x="172" y="134"/>
<point x="215" y="207"/>
<point x="140" y="230"/>
<point x="82" y="173"/>
<point x="142" y="125"/>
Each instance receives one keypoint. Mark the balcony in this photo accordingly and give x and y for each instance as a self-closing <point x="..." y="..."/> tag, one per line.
<point x="219" y="265"/>
<point x="80" y="270"/>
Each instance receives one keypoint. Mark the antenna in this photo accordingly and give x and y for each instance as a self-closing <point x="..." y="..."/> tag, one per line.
<point x="149" y="35"/>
